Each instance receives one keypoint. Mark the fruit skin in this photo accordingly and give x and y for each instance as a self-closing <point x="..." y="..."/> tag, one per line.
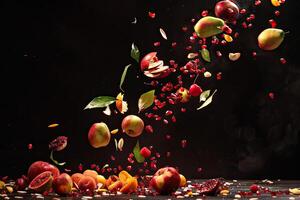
<point x="99" y="135"/>
<point x="184" y="95"/>
<point x="111" y="179"/>
<point x="42" y="186"/>
<point x="209" y="187"/>
<point x="101" y="179"/>
<point x="150" y="57"/>
<point x="270" y="38"/>
<point x="165" y="180"/>
<point x="209" y="26"/>
<point x="227" y="10"/>
<point x="182" y="181"/>
<point x="195" y="90"/>
<point x="63" y="184"/>
<point x="132" y="125"/>
<point x="91" y="173"/>
<point x="130" y="185"/>
<point x="38" y="167"/>
<point x="87" y="183"/>
<point x="145" y="152"/>
<point x="76" y="178"/>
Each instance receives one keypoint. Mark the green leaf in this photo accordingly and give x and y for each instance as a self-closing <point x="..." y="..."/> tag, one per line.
<point x="204" y="95"/>
<point x="207" y="102"/>
<point x="100" y="102"/>
<point x="136" y="151"/>
<point x="146" y="100"/>
<point x="205" y="55"/>
<point x="123" y="76"/>
<point x="135" y="53"/>
<point x="55" y="161"/>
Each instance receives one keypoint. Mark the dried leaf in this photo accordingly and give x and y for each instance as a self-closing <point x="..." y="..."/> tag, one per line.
<point x="205" y="55"/>
<point x="121" y="144"/>
<point x="107" y="111"/>
<point x="204" y="95"/>
<point x="163" y="33"/>
<point x="146" y="100"/>
<point x="207" y="102"/>
<point x="123" y="76"/>
<point x="136" y="151"/>
<point x="135" y="53"/>
<point x="55" y="161"/>
<point x="100" y="102"/>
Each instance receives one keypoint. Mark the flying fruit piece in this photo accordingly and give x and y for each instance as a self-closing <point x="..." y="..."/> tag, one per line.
<point x="39" y="167"/>
<point x="130" y="185"/>
<point x="183" y="95"/>
<point x="195" y="90"/>
<point x="132" y="125"/>
<point x="87" y="183"/>
<point x="209" y="187"/>
<point x="234" y="56"/>
<point x="121" y="105"/>
<point x="270" y="38"/>
<point x="77" y="177"/>
<point x="209" y="26"/>
<point x="153" y="67"/>
<point x="165" y="180"/>
<point x="63" y="184"/>
<point x="99" y="135"/>
<point x="42" y="182"/>
<point x="145" y="152"/>
<point x="227" y="10"/>
<point x="275" y="3"/>
<point x="111" y="179"/>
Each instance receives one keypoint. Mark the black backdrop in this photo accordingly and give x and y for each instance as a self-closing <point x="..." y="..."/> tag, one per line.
<point x="58" y="55"/>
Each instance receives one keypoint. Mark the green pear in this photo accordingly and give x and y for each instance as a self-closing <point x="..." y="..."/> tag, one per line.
<point x="270" y="38"/>
<point x="209" y="26"/>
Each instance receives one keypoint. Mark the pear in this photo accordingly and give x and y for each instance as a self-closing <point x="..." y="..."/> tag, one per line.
<point x="270" y="38"/>
<point x="209" y="26"/>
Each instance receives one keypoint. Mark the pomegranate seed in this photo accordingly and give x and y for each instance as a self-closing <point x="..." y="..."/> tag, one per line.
<point x="273" y="23"/>
<point x="204" y="13"/>
<point x="129" y="168"/>
<point x="243" y="11"/>
<point x="250" y="25"/>
<point x="195" y="90"/>
<point x="271" y="95"/>
<point x="277" y="13"/>
<point x="173" y="119"/>
<point x="131" y="155"/>
<point x="219" y="54"/>
<point x="93" y="166"/>
<point x="120" y="168"/>
<point x="257" y="2"/>
<point x="252" y="16"/>
<point x="254" y="188"/>
<point x="184" y="29"/>
<point x="80" y="167"/>
<point x="188" y="48"/>
<point x="112" y="158"/>
<point x="165" y="121"/>
<point x="283" y="61"/>
<point x="168" y="137"/>
<point x="244" y="25"/>
<point x="236" y="35"/>
<point x="156" y="44"/>
<point x="192" y="39"/>
<point x="193" y="20"/>
<point x="169" y="112"/>
<point x="183" y="143"/>
<point x="219" y="76"/>
<point x="183" y="110"/>
<point x="149" y="129"/>
<point x="168" y="154"/>
<point x="145" y="152"/>
<point x="157" y="155"/>
<point x="29" y="146"/>
<point x="199" y="169"/>
<point x="151" y="15"/>
<point x="153" y="165"/>
<point x="174" y="44"/>
<point x="254" y="54"/>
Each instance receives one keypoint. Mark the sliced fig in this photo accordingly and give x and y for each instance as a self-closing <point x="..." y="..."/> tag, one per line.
<point x="209" y="187"/>
<point x="153" y="65"/>
<point x="159" y="69"/>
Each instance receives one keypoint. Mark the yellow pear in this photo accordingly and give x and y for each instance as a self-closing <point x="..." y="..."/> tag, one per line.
<point x="270" y="38"/>
<point x="209" y="26"/>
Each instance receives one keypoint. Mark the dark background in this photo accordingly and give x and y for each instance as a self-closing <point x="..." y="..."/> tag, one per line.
<point x="58" y="55"/>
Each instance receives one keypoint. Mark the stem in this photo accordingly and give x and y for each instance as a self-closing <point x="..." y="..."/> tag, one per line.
<point x="196" y="78"/>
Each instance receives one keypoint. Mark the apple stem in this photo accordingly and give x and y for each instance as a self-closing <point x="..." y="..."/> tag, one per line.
<point x="196" y="78"/>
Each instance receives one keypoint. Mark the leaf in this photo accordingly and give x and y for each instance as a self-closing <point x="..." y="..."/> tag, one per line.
<point x="135" y="53"/>
<point x="100" y="102"/>
<point x="123" y="76"/>
<point x="205" y="55"/>
<point x="204" y="95"/>
<point x="207" y="102"/>
<point x="146" y="100"/>
<point x="116" y="144"/>
<point x="55" y="161"/>
<point x="136" y="151"/>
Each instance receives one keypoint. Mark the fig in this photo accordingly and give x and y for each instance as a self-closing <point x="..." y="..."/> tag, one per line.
<point x="209" y="26"/>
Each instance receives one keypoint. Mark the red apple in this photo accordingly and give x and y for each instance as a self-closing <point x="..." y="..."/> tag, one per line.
<point x="99" y="135"/>
<point x="132" y="125"/>
<point x="149" y="58"/>
<point x="63" y="184"/>
<point x="165" y="180"/>
<point x="39" y="167"/>
<point x="227" y="10"/>
<point x="87" y="183"/>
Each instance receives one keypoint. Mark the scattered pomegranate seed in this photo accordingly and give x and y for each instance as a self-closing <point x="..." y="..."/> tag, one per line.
<point x="244" y="25"/>
<point x="199" y="169"/>
<point x="29" y="146"/>
<point x="183" y="110"/>
<point x="277" y="13"/>
<point x="151" y="14"/>
<point x="184" y="28"/>
<point x="168" y="154"/>
<point x="273" y="23"/>
<point x="93" y="166"/>
<point x="174" y="44"/>
<point x="129" y="168"/>
<point x="80" y="167"/>
<point x="283" y="61"/>
<point x="168" y="137"/>
<point x="257" y="2"/>
<point x="254" y="188"/>
<point x="218" y="53"/>
<point x="254" y="54"/>
<point x="271" y="95"/>
<point x="145" y="152"/>
<point x="183" y="143"/>
<point x="166" y="121"/>
<point x="149" y="129"/>
<point x="204" y="13"/>
<point x="156" y="44"/>
<point x="173" y="119"/>
<point x="243" y="11"/>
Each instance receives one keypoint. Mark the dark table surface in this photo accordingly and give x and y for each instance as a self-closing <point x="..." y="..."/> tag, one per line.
<point x="235" y="186"/>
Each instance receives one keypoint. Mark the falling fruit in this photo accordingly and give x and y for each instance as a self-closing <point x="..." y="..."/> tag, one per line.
<point x="228" y="38"/>
<point x="227" y="10"/>
<point x="99" y="135"/>
<point x="275" y="3"/>
<point x="234" y="56"/>
<point x="209" y="26"/>
<point x="121" y="105"/>
<point x="270" y="38"/>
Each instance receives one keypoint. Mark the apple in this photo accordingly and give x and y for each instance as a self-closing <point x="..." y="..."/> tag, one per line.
<point x="153" y="67"/>
<point x="38" y="167"/>
<point x="165" y="180"/>
<point x="132" y="125"/>
<point x="63" y="184"/>
<point x="87" y="183"/>
<point x="99" y="135"/>
<point x="77" y="177"/>
<point x="91" y="173"/>
<point x="227" y="10"/>
<point x="182" y="181"/>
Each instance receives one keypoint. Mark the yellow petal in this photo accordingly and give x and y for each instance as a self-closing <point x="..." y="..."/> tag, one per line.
<point x="53" y="125"/>
<point x="275" y="3"/>
<point x="114" y="131"/>
<point x="228" y="38"/>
